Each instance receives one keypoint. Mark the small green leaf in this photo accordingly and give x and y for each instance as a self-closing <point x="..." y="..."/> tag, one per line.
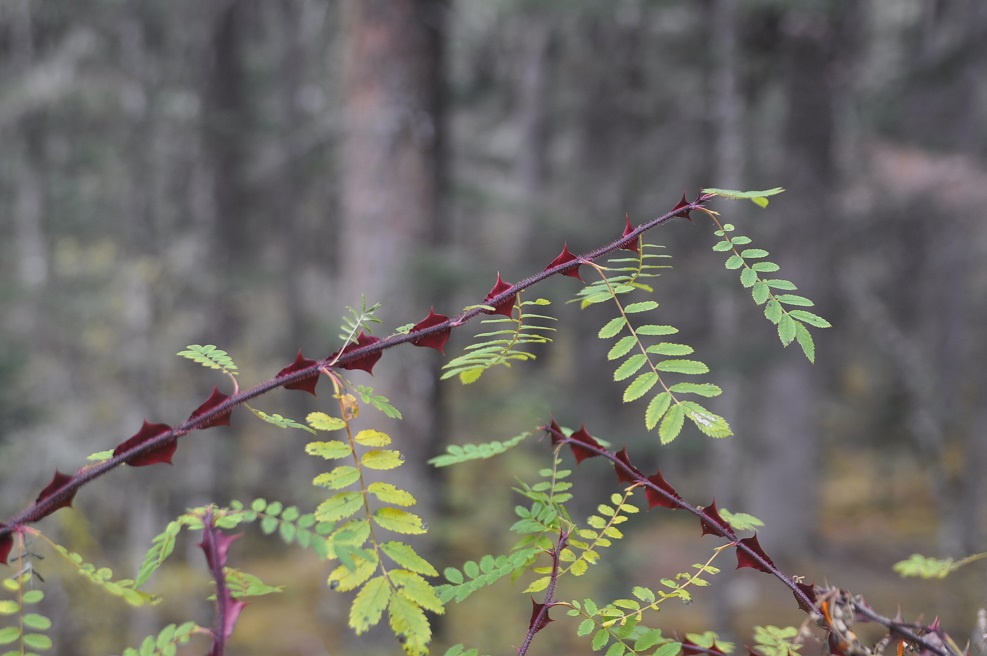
<point x="331" y="450"/>
<point x="722" y="246"/>
<point x="672" y="424"/>
<point x="642" y="306"/>
<point x="369" y="604"/>
<point x="339" y="506"/>
<point x="656" y="330"/>
<point x="390" y="494"/>
<point x="600" y="639"/>
<point x="382" y="459"/>
<point x="622" y="347"/>
<point x="691" y="367"/>
<point x="810" y="318"/>
<point x="785" y="285"/>
<point x="773" y="311"/>
<point x="708" y="390"/>
<point x="453" y="575"/>
<point x="761" y="292"/>
<point x="613" y="328"/>
<point x="748" y="277"/>
<point x="786" y="329"/>
<point x="37" y="641"/>
<point x="405" y="556"/>
<point x="765" y="267"/>
<point x="640" y="386"/>
<point x="322" y="421"/>
<point x="709" y="423"/>
<point x="9" y="607"/>
<point x="805" y="341"/>
<point x="753" y="253"/>
<point x="656" y="409"/>
<point x="399" y="521"/>
<point x="794" y="299"/>
<point x="417" y="589"/>
<point x="585" y="628"/>
<point x="630" y="366"/>
<point x="338" y="478"/>
<point x="8" y="634"/>
<point x="370" y="437"/>
<point x="36" y="622"/>
<point x="671" y="349"/>
<point x="735" y="262"/>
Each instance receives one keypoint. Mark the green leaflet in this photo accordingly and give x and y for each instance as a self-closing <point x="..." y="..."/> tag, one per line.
<point x="456" y="453"/>
<point x="369" y="604"/>
<point x="672" y="424"/>
<point x="408" y="621"/>
<point x="282" y="422"/>
<point x="656" y="409"/>
<point x="339" y="506"/>
<point x="417" y="589"/>
<point x="505" y="347"/>
<point x="399" y="521"/>
<point x="370" y="437"/>
<point x="102" y="577"/>
<point x="337" y="479"/>
<point x="640" y="386"/>
<point x="322" y="421"/>
<point x="382" y="459"/>
<point x="211" y="357"/>
<point x="390" y="494"/>
<point x="331" y="450"/>
<point x="406" y="557"/>
<point x="161" y="547"/>
<point x="759" y="198"/>
<point x="344" y="578"/>
<point x="763" y="290"/>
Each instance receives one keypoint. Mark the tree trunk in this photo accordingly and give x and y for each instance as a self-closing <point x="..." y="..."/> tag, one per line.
<point x="392" y="172"/>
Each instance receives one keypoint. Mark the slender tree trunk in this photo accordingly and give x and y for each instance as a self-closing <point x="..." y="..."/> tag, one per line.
<point x="392" y="173"/>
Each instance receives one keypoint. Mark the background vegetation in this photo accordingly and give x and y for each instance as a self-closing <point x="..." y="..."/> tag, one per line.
<point x="237" y="172"/>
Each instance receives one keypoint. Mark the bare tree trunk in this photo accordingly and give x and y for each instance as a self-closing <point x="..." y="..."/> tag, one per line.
<point x="786" y="463"/>
<point x="727" y="107"/>
<point x="392" y="172"/>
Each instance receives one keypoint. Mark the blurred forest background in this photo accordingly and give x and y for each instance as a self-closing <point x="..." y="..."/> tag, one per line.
<point x="237" y="172"/>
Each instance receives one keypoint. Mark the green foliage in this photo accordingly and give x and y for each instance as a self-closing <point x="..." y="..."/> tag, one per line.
<point x="502" y="346"/>
<point x="102" y="577"/>
<point x="358" y="321"/>
<point x="741" y="521"/>
<point x="382" y="403"/>
<point x="211" y="357"/>
<point x="775" y="641"/>
<point x="648" y="365"/>
<point x="387" y="576"/>
<point x="27" y="632"/>
<point x="582" y="549"/>
<point x="781" y="309"/>
<point x="476" y="575"/>
<point x="279" y="421"/>
<point x="759" y="198"/>
<point x="167" y="641"/>
<point x="924" y="567"/>
<point x="456" y="454"/>
<point x="623" y="275"/>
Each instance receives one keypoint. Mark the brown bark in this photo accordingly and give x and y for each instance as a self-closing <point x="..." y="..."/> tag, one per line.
<point x="392" y="171"/>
